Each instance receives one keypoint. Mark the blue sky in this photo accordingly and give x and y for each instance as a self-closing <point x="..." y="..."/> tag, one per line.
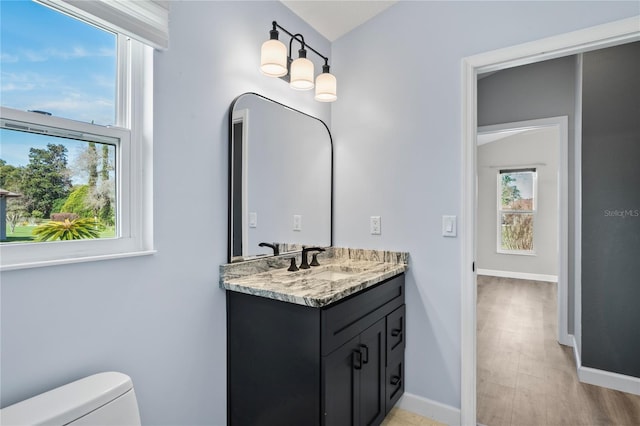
<point x="54" y="63"/>
<point x="524" y="182"/>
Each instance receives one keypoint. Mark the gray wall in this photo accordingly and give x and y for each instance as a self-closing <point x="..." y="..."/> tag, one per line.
<point x="611" y="209"/>
<point x="540" y="90"/>
<point x="538" y="147"/>
<point x="396" y="127"/>
<point x="161" y="319"/>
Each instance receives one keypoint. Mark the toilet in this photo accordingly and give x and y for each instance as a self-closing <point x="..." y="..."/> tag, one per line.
<point x="104" y="399"/>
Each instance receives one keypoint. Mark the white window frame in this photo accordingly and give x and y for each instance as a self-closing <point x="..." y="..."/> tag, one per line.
<point x="134" y="129"/>
<point x="500" y="211"/>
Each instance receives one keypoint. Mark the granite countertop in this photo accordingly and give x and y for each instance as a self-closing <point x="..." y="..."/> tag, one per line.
<point x="342" y="272"/>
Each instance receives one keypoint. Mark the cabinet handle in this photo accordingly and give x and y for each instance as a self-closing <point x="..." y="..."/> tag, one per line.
<point x="357" y="359"/>
<point x="365" y="358"/>
<point x="394" y="380"/>
<point x="396" y="332"/>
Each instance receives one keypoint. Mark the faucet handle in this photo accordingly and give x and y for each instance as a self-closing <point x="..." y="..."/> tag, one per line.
<point x="293" y="266"/>
<point x="314" y="260"/>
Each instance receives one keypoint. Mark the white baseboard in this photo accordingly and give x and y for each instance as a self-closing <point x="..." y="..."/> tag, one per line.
<point x="609" y="380"/>
<point x="606" y="379"/>
<point x="519" y="275"/>
<point x="438" y="411"/>
<point x="576" y="351"/>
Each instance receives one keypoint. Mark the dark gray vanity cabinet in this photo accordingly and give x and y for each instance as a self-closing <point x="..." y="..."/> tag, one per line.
<point x="290" y="364"/>
<point x="354" y="388"/>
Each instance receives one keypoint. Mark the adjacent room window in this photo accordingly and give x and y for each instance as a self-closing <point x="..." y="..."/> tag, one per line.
<point x="516" y="210"/>
<point x="70" y="140"/>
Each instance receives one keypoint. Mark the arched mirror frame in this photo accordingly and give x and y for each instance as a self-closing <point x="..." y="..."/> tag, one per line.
<point x="230" y="212"/>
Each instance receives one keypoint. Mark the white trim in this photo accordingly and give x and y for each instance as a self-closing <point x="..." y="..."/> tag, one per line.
<point x="469" y="204"/>
<point x="428" y="408"/>
<point x="609" y="380"/>
<point x="83" y="259"/>
<point x="143" y="20"/>
<point x="135" y="176"/>
<point x="518" y="252"/>
<point x="597" y="37"/>
<point x="605" y="379"/>
<point x="518" y="275"/>
<point x="577" y="219"/>
<point x="580" y="41"/>
<point x="242" y="116"/>
<point x="576" y="351"/>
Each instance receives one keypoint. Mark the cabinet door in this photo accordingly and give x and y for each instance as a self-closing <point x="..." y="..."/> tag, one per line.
<point x="340" y="387"/>
<point x="395" y="335"/>
<point x="372" y="375"/>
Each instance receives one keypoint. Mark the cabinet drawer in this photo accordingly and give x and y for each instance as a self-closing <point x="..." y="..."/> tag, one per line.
<point x="346" y="319"/>
<point x="394" y="385"/>
<point x="396" y="334"/>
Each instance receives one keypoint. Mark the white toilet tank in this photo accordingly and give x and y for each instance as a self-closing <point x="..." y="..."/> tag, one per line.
<point x="104" y="399"/>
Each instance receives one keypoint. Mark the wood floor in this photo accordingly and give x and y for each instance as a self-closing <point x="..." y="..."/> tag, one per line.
<point x="525" y="377"/>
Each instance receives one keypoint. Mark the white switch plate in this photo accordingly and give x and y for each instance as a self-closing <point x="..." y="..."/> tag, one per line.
<point x="449" y="226"/>
<point x="376" y="225"/>
<point x="253" y="220"/>
<point x="297" y="222"/>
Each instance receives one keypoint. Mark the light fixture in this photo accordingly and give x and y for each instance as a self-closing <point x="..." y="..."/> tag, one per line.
<point x="275" y="62"/>
<point x="326" y="85"/>
<point x="301" y="77"/>
<point x="273" y="56"/>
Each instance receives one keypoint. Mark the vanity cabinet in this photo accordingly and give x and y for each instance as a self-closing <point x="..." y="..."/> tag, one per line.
<point x="354" y="388"/>
<point x="290" y="364"/>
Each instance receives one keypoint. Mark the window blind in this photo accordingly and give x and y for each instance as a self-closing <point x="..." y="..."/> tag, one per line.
<point x="144" y="20"/>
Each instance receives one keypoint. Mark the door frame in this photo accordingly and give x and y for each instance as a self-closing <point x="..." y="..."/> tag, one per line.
<point x="598" y="37"/>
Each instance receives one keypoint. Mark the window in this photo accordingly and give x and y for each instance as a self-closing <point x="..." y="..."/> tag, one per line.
<point x="75" y="166"/>
<point x="516" y="210"/>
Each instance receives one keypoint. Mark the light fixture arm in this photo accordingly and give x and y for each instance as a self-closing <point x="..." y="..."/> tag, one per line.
<point x="301" y="41"/>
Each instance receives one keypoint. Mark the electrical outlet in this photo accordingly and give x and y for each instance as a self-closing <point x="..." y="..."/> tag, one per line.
<point x="253" y="220"/>
<point x="375" y="225"/>
<point x="297" y="222"/>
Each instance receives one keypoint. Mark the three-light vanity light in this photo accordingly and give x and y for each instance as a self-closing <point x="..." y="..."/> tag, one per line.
<point x="275" y="62"/>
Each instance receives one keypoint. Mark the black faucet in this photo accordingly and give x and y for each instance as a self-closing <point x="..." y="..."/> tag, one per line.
<point x="305" y="260"/>
<point x="274" y="246"/>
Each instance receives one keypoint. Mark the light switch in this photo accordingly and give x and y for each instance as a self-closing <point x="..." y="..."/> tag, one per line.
<point x="297" y="222"/>
<point x="253" y="220"/>
<point x="448" y="226"/>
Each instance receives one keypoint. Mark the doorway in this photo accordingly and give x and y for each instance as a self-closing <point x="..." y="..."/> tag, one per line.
<point x="521" y="227"/>
<point x="540" y="146"/>
<point x="606" y="35"/>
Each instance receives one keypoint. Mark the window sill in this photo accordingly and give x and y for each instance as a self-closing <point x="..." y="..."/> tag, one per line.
<point x="80" y="259"/>
<point x="517" y="253"/>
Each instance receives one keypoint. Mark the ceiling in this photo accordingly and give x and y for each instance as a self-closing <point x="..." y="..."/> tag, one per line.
<point x="333" y="19"/>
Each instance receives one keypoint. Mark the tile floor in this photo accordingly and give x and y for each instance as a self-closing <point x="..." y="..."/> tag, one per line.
<point x="398" y="417"/>
<point x="524" y="377"/>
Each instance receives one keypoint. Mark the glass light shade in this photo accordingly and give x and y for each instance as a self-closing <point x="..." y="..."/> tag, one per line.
<point x="326" y="88"/>
<point x="301" y="74"/>
<point x="273" y="58"/>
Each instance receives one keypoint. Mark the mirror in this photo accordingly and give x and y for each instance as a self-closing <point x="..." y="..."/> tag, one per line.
<point x="280" y="179"/>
